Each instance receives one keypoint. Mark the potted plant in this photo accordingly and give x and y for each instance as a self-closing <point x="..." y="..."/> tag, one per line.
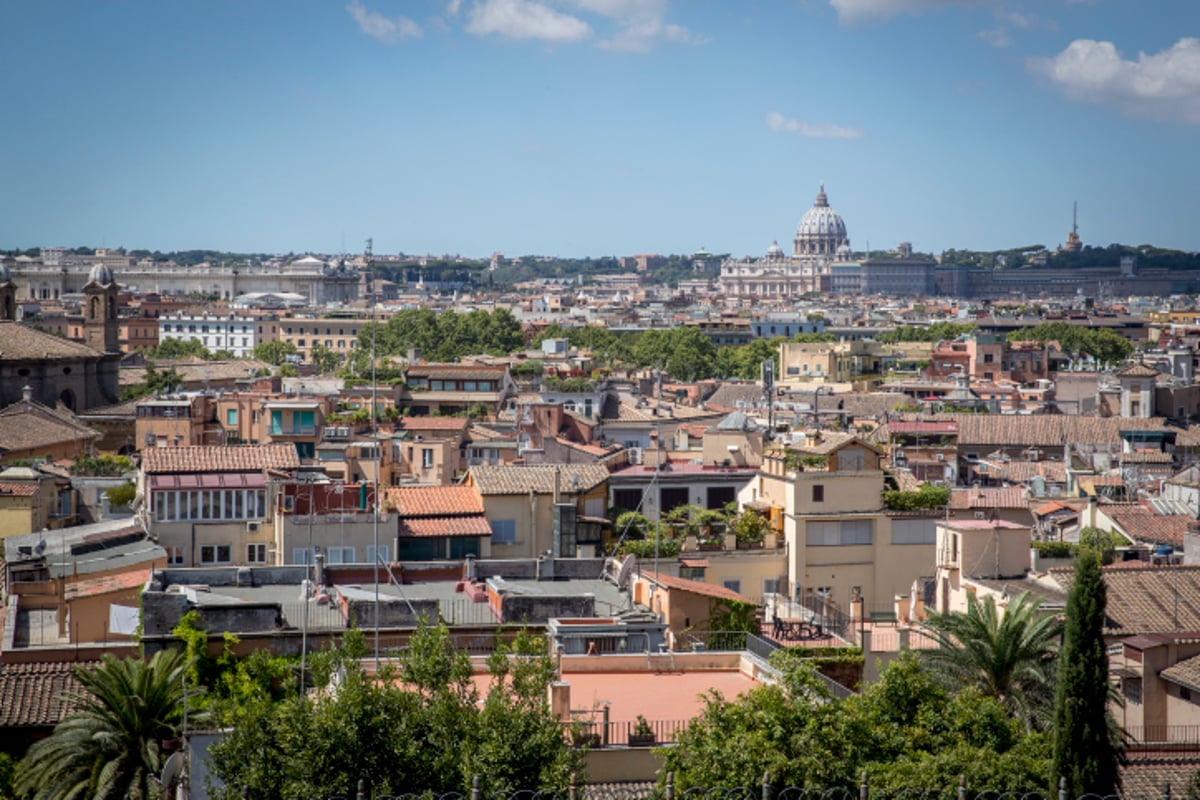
<point x="585" y="735"/>
<point x="642" y="734"/>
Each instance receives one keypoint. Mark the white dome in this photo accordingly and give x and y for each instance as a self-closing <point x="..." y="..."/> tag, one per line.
<point x="821" y="220"/>
<point x="821" y="231"/>
<point x="775" y="251"/>
<point x="101" y="274"/>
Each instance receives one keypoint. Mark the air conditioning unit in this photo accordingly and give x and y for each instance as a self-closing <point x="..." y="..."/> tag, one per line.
<point x="980" y="515"/>
<point x="941" y="456"/>
<point x="253" y="526"/>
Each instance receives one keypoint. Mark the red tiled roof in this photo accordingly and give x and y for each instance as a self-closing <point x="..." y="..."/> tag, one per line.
<point x="1144" y="525"/>
<point x="107" y="584"/>
<point x="933" y="427"/>
<point x="212" y="458"/>
<point x="695" y="587"/>
<point x="473" y="525"/>
<point x="18" y="489"/>
<point x="434" y="501"/>
<point x="31" y="695"/>
<point x="434" y="423"/>
<point x="1010" y="497"/>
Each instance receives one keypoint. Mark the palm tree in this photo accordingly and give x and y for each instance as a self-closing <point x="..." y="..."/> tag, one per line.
<point x="111" y="747"/>
<point x="1006" y="654"/>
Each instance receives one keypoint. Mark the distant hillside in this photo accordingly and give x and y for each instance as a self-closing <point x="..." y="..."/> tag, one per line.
<point x="1028" y="257"/>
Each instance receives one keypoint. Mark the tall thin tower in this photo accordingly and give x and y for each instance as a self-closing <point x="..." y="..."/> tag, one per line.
<point x="1074" y="244"/>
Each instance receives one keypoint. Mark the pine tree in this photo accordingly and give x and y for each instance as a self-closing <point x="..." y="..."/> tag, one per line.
<point x="1087" y="750"/>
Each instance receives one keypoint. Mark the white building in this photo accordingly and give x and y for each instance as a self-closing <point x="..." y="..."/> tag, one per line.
<point x="820" y="240"/>
<point x="233" y="333"/>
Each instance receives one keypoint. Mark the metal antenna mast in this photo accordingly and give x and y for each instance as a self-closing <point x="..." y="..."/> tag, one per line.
<point x="375" y="440"/>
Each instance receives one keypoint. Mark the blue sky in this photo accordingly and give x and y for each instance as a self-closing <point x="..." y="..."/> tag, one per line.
<point x="597" y="127"/>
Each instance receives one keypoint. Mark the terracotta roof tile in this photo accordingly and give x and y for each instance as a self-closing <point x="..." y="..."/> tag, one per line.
<point x="30" y="425"/>
<point x="473" y="525"/>
<point x="19" y="341"/>
<point x="434" y="423"/>
<point x="1009" y="497"/>
<point x="434" y="501"/>
<point x="1142" y="598"/>
<point x="537" y="478"/>
<point x="211" y="458"/>
<point x="1142" y="524"/>
<point x="18" y="489"/>
<point x="31" y="695"/>
<point x="1185" y="673"/>
<point x="695" y="587"/>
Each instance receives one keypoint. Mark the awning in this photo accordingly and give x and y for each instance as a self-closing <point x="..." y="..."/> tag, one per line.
<point x="694" y="563"/>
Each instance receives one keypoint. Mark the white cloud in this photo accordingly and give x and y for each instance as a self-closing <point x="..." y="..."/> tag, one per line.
<point x="452" y="7"/>
<point x="525" y="19"/>
<point x="778" y="122"/>
<point x="1163" y="85"/>
<point x="640" y="23"/>
<point x="388" y="30"/>
<point x="996" y="37"/>
<point x="852" y="11"/>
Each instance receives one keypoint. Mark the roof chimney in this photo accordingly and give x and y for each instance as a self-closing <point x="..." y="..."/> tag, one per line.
<point x="27" y="393"/>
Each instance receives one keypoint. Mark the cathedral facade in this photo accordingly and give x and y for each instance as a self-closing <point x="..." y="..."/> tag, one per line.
<point x="820" y="240"/>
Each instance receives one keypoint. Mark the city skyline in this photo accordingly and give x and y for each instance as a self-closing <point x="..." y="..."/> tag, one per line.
<point x="597" y="127"/>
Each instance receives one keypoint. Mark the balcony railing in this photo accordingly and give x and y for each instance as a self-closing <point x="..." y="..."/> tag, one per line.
<point x="294" y="430"/>
<point x="1163" y="734"/>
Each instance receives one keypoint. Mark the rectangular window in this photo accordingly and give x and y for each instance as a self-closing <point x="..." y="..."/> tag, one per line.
<point x="256" y="553"/>
<point x="340" y="555"/>
<point x="231" y="416"/>
<point x="818" y="493"/>
<point x="175" y="556"/>
<point x="692" y="573"/>
<point x="427" y="457"/>
<point x="504" y="531"/>
<point x="216" y="554"/>
<point x="770" y="585"/>
<point x="302" y="555"/>
<point x="914" y="531"/>
<point x="383" y="553"/>
<point x="839" y="533"/>
<point x="733" y="585"/>
<point x="276" y="423"/>
<point x="627" y="499"/>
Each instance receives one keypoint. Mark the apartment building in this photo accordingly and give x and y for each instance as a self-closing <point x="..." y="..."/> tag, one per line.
<point x="213" y="505"/>
<point x="237" y="334"/>
<point x="841" y="541"/>
<point x="339" y="334"/>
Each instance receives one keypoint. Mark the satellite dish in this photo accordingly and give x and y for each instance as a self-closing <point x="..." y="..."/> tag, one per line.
<point x="625" y="570"/>
<point x="172" y="772"/>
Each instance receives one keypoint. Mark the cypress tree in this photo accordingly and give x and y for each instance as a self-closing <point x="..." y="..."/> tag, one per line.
<point x="1087" y="750"/>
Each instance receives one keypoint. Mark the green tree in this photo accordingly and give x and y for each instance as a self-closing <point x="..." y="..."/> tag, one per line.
<point x="417" y="726"/>
<point x="323" y="359"/>
<point x="111" y="747"/>
<point x="1005" y="654"/>
<point x="171" y="349"/>
<point x="1087" y="749"/>
<point x="274" y="353"/>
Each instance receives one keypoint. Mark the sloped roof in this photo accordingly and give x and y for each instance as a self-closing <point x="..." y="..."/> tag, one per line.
<point x="1185" y="673"/>
<point x="20" y="342"/>
<point x="435" y="501"/>
<point x="220" y="458"/>
<point x="538" y="478"/>
<point x="971" y="498"/>
<point x="455" y="424"/>
<point x="695" y="587"/>
<point x="31" y="695"/>
<point x="1144" y="525"/>
<point x="1142" y="598"/>
<point x="1045" y="430"/>
<point x="28" y="425"/>
<point x="426" y="527"/>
